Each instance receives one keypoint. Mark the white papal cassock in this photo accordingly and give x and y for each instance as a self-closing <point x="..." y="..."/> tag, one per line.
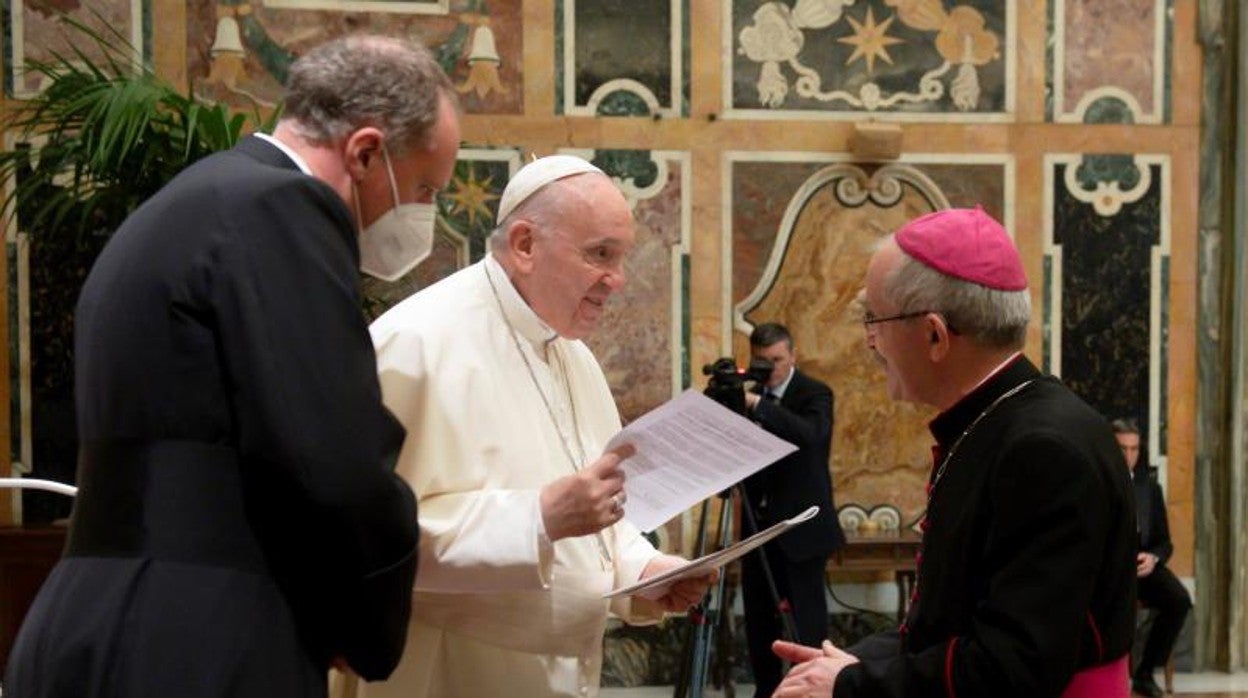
<point x="498" y="610"/>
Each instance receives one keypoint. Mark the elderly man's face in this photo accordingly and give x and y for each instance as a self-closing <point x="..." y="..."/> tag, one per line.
<point x="579" y="263"/>
<point x="900" y="346"/>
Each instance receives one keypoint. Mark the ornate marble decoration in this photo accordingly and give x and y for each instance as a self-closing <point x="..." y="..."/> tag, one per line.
<point x="1106" y="295"/>
<point x="238" y="51"/>
<point x="899" y="59"/>
<point x="32" y="31"/>
<point x="616" y="58"/>
<point x="801" y="229"/>
<point x="1109" y="61"/>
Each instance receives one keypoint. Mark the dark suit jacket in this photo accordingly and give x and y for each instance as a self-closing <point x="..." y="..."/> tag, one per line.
<point x="1150" y="512"/>
<point x="222" y="357"/>
<point x="1028" y="566"/>
<point x="803" y="417"/>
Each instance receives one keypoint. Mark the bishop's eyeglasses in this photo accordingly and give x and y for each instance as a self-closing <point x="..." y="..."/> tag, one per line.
<point x="869" y="318"/>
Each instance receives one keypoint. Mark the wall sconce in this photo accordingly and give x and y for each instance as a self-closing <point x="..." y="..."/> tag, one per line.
<point x="227" y="39"/>
<point x="875" y="141"/>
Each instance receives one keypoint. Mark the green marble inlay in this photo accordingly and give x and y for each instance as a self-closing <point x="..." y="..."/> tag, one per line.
<point x="636" y="165"/>
<point x="145" y="31"/>
<point x="1118" y="168"/>
<point x="8" y="46"/>
<point x="623" y="103"/>
<point x="686" y="323"/>
<point x="685" y="58"/>
<point x="449" y="52"/>
<point x="1108" y="110"/>
<point x="1163" y="360"/>
<point x="1048" y="61"/>
<point x="559" y="29"/>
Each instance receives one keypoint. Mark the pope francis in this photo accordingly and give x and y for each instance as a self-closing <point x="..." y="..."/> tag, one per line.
<point x="507" y="412"/>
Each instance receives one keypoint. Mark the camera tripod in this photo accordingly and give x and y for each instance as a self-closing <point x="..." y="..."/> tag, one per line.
<point x="711" y="619"/>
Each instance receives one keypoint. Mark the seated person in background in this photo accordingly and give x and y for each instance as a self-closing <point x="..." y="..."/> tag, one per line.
<point x="798" y="409"/>
<point x="1157" y="586"/>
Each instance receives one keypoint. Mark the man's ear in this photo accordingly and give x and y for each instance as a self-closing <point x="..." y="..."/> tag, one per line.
<point x="360" y="149"/>
<point x="938" y="337"/>
<point x="520" y="237"/>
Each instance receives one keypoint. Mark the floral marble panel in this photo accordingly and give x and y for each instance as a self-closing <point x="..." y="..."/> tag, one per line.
<point x="239" y="51"/>
<point x="1107" y="291"/>
<point x="31" y="31"/>
<point x="1109" y="60"/>
<point x="801" y="230"/>
<point x="895" y="59"/>
<point x="621" y="57"/>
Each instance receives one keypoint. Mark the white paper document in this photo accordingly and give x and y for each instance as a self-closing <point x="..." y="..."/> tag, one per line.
<point x="686" y="450"/>
<point x="656" y="586"/>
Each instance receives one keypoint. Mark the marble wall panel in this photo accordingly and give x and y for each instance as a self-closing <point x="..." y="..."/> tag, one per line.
<point x="31" y="32"/>
<point x="845" y="58"/>
<point x="239" y="51"/>
<point x="806" y="250"/>
<point x="621" y="57"/>
<point x="1109" y="61"/>
<point x="1109" y="286"/>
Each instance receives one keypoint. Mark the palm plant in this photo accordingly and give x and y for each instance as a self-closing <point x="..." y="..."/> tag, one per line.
<point x="104" y="135"/>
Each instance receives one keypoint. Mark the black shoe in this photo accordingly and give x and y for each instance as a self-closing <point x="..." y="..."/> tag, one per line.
<point x="1144" y="685"/>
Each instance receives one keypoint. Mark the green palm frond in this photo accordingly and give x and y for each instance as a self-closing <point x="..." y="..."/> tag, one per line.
<point x="105" y="134"/>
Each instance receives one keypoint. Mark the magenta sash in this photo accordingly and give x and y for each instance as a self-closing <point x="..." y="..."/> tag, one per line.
<point x="1104" y="681"/>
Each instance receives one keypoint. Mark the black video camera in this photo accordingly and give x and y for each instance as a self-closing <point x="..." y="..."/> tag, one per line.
<point x="727" y="381"/>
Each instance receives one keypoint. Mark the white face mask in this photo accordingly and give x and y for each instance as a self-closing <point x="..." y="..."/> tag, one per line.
<point x="400" y="239"/>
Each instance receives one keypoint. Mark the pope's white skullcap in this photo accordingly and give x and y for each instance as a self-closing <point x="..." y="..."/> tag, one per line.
<point x="536" y="175"/>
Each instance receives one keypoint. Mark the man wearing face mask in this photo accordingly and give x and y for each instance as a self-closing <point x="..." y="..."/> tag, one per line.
<point x="507" y="413"/>
<point x="239" y="528"/>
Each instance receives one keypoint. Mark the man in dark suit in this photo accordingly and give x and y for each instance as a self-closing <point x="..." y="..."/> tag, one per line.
<point x="798" y="409"/>
<point x="1157" y="587"/>
<point x="238" y="527"/>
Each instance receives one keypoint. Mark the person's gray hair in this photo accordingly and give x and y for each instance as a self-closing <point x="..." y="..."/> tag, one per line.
<point x="544" y="207"/>
<point x="366" y="80"/>
<point x="987" y="316"/>
<point x="1125" y="425"/>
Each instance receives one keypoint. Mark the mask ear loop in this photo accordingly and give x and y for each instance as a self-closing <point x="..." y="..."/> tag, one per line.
<point x="394" y="190"/>
<point x="394" y="186"/>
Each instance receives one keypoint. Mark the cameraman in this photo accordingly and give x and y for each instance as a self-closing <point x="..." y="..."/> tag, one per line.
<point x="798" y="409"/>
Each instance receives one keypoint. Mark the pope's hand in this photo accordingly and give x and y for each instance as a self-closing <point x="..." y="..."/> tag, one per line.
<point x="682" y="594"/>
<point x="815" y="670"/>
<point x="587" y="502"/>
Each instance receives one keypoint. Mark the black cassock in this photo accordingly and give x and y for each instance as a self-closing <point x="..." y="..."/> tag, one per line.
<point x="1028" y="568"/>
<point x="238" y="523"/>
